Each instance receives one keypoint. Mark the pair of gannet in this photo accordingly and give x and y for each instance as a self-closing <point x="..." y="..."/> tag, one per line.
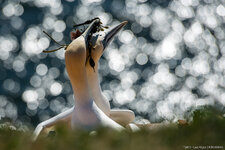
<point x="91" y="107"/>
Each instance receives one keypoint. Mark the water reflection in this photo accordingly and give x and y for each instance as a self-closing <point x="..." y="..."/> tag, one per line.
<point x="168" y="61"/>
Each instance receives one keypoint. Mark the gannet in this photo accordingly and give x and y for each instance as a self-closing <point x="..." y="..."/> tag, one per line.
<point x="123" y="117"/>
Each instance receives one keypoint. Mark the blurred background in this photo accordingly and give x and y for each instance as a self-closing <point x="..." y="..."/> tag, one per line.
<point x="168" y="61"/>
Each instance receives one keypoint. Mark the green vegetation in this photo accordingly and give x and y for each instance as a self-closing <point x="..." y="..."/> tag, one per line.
<point x="206" y="129"/>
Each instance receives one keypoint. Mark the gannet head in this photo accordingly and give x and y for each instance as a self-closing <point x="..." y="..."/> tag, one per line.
<point x="101" y="40"/>
<point x="76" y="50"/>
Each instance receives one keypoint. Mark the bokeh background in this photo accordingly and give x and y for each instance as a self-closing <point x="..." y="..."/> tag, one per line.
<point x="168" y="61"/>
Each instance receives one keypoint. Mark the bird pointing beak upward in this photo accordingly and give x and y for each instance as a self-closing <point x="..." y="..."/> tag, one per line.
<point x="108" y="35"/>
<point x="111" y="33"/>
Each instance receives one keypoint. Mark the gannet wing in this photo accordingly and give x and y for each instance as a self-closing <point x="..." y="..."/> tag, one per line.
<point x="52" y="121"/>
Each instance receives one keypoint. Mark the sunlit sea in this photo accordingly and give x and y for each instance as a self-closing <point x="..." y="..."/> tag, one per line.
<point x="168" y="61"/>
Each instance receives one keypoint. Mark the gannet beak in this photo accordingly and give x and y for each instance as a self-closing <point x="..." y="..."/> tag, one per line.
<point x="88" y="30"/>
<point x="111" y="33"/>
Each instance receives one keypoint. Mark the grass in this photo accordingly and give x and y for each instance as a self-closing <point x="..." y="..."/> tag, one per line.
<point x="206" y="129"/>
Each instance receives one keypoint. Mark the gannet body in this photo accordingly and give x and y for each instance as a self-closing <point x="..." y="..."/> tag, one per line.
<point x="102" y="107"/>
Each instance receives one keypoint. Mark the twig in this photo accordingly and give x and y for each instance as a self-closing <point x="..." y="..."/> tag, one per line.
<point x="49" y="51"/>
<point x="86" y="22"/>
<point x="61" y="46"/>
<point x="52" y="39"/>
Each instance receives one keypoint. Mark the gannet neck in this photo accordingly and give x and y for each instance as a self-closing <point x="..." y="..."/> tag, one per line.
<point x="75" y="57"/>
<point x="95" y="89"/>
<point x="99" y="43"/>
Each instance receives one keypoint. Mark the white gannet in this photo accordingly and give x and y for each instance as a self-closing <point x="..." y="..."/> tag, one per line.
<point x="123" y="117"/>
<point x="85" y="114"/>
<point x="100" y="41"/>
